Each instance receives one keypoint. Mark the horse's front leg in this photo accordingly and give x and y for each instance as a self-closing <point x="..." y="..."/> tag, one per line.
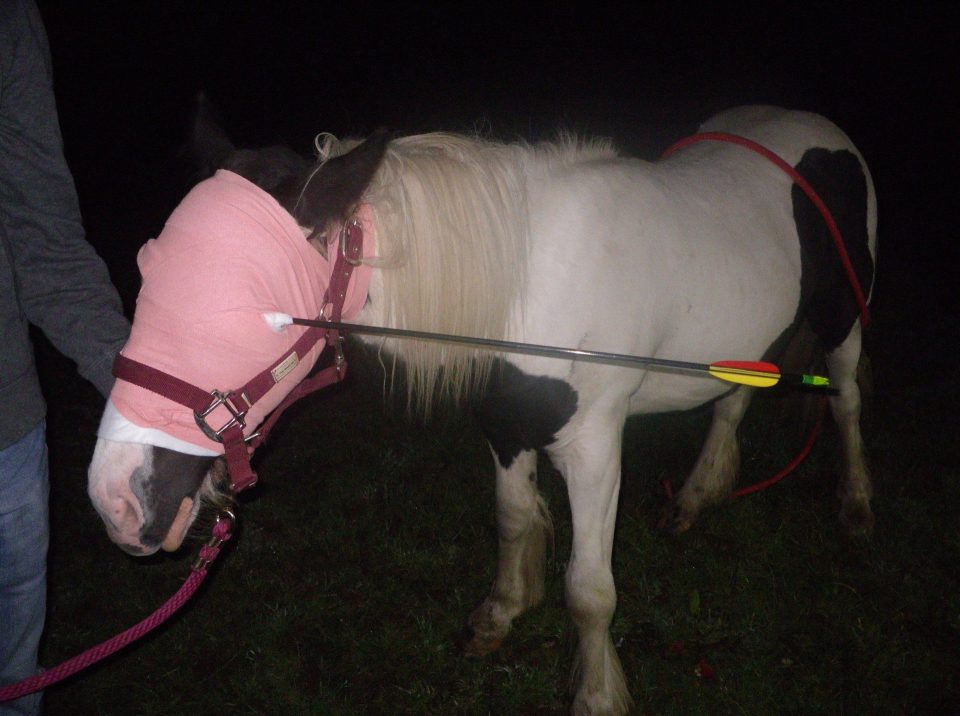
<point x="715" y="472"/>
<point x="590" y="463"/>
<point x="524" y="528"/>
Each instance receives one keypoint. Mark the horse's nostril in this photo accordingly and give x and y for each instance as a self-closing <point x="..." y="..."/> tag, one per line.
<point x="123" y="516"/>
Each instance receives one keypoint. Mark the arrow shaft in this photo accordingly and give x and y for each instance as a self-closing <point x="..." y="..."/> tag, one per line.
<point x="510" y="346"/>
<point x="717" y="370"/>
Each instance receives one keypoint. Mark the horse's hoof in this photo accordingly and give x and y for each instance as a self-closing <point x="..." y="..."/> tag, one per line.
<point x="673" y="521"/>
<point x="857" y="519"/>
<point x="472" y="644"/>
<point x="483" y="633"/>
<point x="855" y="513"/>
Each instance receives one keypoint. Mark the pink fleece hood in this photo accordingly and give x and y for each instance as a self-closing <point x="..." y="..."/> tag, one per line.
<point x="228" y="254"/>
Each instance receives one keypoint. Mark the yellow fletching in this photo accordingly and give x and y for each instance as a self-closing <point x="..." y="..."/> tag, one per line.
<point x="753" y="378"/>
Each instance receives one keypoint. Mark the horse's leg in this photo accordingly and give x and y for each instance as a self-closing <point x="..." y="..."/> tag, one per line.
<point x="715" y="472"/>
<point x="524" y="527"/>
<point x="855" y="489"/>
<point x="590" y="463"/>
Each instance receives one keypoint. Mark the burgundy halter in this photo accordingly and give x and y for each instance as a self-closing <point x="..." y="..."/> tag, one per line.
<point x="237" y="447"/>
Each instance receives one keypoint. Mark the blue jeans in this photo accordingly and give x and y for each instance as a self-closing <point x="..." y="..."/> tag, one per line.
<point x="24" y="535"/>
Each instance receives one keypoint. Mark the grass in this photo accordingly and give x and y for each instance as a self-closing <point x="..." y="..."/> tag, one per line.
<point x="371" y="537"/>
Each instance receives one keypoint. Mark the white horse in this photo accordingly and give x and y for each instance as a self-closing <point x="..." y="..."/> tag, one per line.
<point x="713" y="253"/>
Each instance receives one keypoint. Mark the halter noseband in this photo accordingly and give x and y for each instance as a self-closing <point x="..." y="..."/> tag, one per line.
<point x="238" y="447"/>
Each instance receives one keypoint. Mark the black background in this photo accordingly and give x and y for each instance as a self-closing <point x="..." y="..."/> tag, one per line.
<point x="644" y="74"/>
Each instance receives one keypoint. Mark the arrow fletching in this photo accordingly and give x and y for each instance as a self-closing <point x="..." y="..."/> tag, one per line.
<point x="756" y="374"/>
<point x="818" y="381"/>
<point x="759" y="374"/>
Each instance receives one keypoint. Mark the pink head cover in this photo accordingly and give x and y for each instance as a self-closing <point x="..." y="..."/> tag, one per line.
<point x="228" y="254"/>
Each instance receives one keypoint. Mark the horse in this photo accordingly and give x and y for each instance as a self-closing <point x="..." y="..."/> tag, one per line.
<point x="712" y="252"/>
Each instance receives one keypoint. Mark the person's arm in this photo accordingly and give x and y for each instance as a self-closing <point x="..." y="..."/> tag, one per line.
<point x="63" y="286"/>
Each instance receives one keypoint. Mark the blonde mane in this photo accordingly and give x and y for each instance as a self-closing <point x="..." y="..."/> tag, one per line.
<point x="452" y="236"/>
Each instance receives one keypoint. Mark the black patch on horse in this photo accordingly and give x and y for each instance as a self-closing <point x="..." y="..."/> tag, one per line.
<point x="174" y="476"/>
<point x="826" y="297"/>
<point x="523" y="412"/>
<point x="277" y="170"/>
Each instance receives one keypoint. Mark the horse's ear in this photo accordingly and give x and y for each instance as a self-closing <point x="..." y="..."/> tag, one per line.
<point x="209" y="145"/>
<point x="333" y="191"/>
<point x="274" y="169"/>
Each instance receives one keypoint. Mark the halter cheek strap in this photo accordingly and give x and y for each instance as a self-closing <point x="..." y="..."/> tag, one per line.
<point x="234" y="404"/>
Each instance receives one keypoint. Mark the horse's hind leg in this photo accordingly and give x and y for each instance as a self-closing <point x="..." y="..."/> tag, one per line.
<point x="855" y="489"/>
<point x="715" y="472"/>
<point x="524" y="527"/>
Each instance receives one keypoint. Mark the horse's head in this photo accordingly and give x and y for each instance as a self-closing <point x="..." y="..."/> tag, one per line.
<point x="224" y="259"/>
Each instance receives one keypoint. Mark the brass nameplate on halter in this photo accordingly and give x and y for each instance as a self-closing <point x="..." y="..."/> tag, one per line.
<point x="288" y="364"/>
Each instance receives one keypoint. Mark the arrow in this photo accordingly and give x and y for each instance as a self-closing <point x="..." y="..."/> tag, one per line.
<point x="760" y="374"/>
<point x="757" y="374"/>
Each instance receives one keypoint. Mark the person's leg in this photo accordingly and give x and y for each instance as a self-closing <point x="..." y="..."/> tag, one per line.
<point x="24" y="535"/>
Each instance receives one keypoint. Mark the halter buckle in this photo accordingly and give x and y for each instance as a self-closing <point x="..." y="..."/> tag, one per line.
<point x="236" y="415"/>
<point x="351" y="242"/>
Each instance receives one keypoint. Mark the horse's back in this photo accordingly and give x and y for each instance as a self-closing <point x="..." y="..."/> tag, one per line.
<point x="784" y="131"/>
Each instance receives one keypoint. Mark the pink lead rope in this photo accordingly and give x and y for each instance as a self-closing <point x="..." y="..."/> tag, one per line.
<point x="208" y="553"/>
<point x="236" y="453"/>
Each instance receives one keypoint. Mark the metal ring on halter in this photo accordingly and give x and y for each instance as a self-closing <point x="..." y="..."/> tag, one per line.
<point x="343" y="241"/>
<point x="237" y="418"/>
<point x="236" y="415"/>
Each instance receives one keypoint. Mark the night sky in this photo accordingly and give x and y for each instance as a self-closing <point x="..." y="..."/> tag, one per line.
<point x="889" y="74"/>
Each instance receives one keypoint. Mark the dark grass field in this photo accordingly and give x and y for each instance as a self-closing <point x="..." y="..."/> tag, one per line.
<point x="371" y="535"/>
